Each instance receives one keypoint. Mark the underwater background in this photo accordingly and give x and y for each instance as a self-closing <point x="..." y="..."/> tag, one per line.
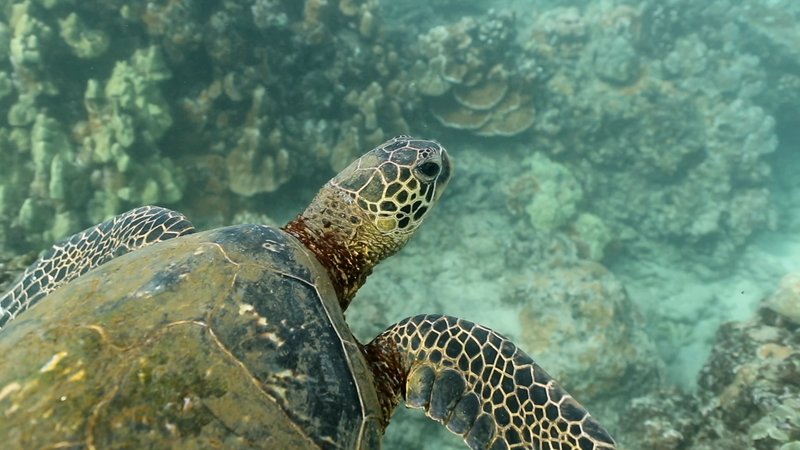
<point x="626" y="199"/>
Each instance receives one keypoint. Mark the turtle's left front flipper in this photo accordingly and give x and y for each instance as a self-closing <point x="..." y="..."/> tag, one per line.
<point x="479" y="385"/>
<point x="88" y="249"/>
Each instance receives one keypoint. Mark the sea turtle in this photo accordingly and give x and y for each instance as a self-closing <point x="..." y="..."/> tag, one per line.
<point x="236" y="337"/>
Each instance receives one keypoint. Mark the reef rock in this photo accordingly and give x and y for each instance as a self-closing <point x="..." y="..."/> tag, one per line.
<point x="580" y="320"/>
<point x="473" y="82"/>
<point x="748" y="392"/>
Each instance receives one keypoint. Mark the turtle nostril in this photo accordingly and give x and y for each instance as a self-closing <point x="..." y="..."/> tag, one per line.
<point x="429" y="169"/>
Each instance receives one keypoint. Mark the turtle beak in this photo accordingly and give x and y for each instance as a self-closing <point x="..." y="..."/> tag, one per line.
<point x="445" y="173"/>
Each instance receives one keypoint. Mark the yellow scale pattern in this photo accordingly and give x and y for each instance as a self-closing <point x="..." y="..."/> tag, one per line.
<point x="384" y="188"/>
<point x="484" y="388"/>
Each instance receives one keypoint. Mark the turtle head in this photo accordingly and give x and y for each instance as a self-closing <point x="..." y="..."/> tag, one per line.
<point x="372" y="208"/>
<point x="395" y="185"/>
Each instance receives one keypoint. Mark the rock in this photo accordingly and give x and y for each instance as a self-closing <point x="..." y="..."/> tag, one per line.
<point x="786" y="300"/>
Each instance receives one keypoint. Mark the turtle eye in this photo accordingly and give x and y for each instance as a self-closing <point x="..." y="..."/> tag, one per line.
<point x="429" y="168"/>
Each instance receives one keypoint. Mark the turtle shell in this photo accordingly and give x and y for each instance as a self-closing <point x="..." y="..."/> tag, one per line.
<point x="231" y="338"/>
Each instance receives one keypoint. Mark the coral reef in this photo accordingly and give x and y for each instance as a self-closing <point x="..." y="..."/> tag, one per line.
<point x="607" y="129"/>
<point x="548" y="194"/>
<point x="473" y="83"/>
<point x="549" y="197"/>
<point x="175" y="84"/>
<point x="680" y="140"/>
<point x="86" y="43"/>
<point x="748" y="391"/>
<point x="667" y="112"/>
<point x="572" y="314"/>
<point x="251" y="169"/>
<point x="592" y="236"/>
<point x="786" y="300"/>
<point x="665" y="419"/>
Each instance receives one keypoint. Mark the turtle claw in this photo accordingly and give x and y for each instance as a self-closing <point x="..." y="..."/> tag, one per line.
<point x="438" y="393"/>
<point x="481" y="433"/>
<point x="444" y="397"/>
<point x="418" y="387"/>
<point x="448" y="389"/>
<point x="464" y="414"/>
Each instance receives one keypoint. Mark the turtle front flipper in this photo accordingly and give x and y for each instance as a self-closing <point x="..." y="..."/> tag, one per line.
<point x="88" y="249"/>
<point x="479" y="385"/>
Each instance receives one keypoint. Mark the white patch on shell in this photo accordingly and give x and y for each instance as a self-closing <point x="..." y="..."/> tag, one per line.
<point x="285" y="377"/>
<point x="10" y="388"/>
<point x="171" y="428"/>
<point x="245" y="308"/>
<point x="78" y="376"/>
<point x="274" y="338"/>
<point x="272" y="246"/>
<point x="53" y="362"/>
